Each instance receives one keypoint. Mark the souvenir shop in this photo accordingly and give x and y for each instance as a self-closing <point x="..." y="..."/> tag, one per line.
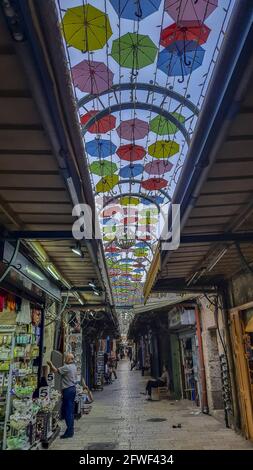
<point x="28" y="399"/>
<point x="184" y="354"/>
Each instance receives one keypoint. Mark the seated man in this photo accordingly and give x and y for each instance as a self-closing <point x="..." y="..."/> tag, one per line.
<point x="160" y="382"/>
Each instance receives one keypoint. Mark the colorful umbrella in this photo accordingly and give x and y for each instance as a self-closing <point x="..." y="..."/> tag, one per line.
<point x="161" y="126"/>
<point x="141" y="245"/>
<point x="185" y="11"/>
<point x="107" y="183"/>
<point x="163" y="149"/>
<point x="92" y="77"/>
<point x="109" y="229"/>
<point x="154" y="183"/>
<point x="138" y="270"/>
<point x="140" y="252"/>
<point x="130" y="220"/>
<point x="112" y="210"/>
<point x="148" y="221"/>
<point x="128" y="200"/>
<point x="158" y="167"/>
<point x="157" y="199"/>
<point x="133" y="129"/>
<point x="103" y="168"/>
<point x="86" y="28"/>
<point x="102" y="126"/>
<point x="191" y="32"/>
<point x="135" y="9"/>
<point x="134" y="51"/>
<point x="109" y="222"/>
<point x="100" y="148"/>
<point x="130" y="171"/>
<point x="180" y="58"/>
<point x="131" y="152"/>
<point x="112" y="249"/>
<point x="148" y="212"/>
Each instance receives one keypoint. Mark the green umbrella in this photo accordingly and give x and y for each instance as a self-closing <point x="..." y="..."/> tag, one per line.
<point x="134" y="51"/>
<point x="160" y="125"/>
<point x="103" y="168"/>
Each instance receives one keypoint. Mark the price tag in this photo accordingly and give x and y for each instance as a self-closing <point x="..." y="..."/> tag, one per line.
<point x="44" y="393"/>
<point x="50" y="379"/>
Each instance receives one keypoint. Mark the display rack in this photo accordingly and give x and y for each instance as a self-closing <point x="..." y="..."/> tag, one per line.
<point x="7" y="343"/>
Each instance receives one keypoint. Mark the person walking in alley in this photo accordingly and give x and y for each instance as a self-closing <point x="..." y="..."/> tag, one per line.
<point x="112" y="367"/>
<point x="160" y="382"/>
<point x="68" y="373"/>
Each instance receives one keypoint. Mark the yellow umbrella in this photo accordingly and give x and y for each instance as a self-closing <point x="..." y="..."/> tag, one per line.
<point x="163" y="149"/>
<point x="107" y="183"/>
<point x="86" y="28"/>
<point x="129" y="201"/>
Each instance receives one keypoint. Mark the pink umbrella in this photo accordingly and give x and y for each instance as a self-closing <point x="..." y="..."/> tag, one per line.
<point x="133" y="129"/>
<point x="92" y="76"/>
<point x="185" y="11"/>
<point x="158" y="167"/>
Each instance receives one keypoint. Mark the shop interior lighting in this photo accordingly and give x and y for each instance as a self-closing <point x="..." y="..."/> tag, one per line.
<point x="51" y="271"/>
<point x="33" y="274"/>
<point x="77" y="250"/>
<point x="217" y="259"/>
<point x="92" y="284"/>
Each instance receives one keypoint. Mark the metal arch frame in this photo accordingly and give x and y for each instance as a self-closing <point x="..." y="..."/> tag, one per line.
<point x="143" y="86"/>
<point x="137" y="105"/>
<point x="131" y="181"/>
<point x="117" y="196"/>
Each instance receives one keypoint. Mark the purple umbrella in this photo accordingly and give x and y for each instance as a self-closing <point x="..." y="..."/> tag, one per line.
<point x="133" y="129"/>
<point x="158" y="167"/>
<point x="185" y="11"/>
<point x="92" y="76"/>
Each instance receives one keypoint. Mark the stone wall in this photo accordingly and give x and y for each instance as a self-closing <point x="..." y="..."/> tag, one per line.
<point x="212" y="348"/>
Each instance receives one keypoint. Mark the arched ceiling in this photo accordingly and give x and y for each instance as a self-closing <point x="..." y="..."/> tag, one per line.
<point x="140" y="71"/>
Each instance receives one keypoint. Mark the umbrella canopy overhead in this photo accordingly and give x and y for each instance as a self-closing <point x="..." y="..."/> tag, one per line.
<point x="191" y="32"/>
<point x="180" y="58"/>
<point x="163" y="149"/>
<point x="161" y="126"/>
<point x="185" y="11"/>
<point x="134" y="51"/>
<point x="92" y="76"/>
<point x="100" y="148"/>
<point x="158" y="167"/>
<point x="107" y="183"/>
<point x="130" y="171"/>
<point x="154" y="183"/>
<point x="133" y="129"/>
<point x="129" y="201"/>
<point x="86" y="28"/>
<point x="135" y="9"/>
<point x="101" y="126"/>
<point x="103" y="168"/>
<point x="131" y="152"/>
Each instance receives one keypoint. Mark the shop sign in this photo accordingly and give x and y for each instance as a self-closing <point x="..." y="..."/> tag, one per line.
<point x="182" y="318"/>
<point x="44" y="393"/>
<point x="50" y="379"/>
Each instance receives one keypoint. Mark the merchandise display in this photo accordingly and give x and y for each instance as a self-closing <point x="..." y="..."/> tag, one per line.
<point x="24" y="403"/>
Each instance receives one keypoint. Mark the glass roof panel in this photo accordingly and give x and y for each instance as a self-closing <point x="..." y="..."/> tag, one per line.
<point x="140" y="72"/>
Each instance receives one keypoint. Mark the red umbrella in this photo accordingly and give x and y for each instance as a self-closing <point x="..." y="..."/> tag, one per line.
<point x="131" y="153"/>
<point x="110" y="211"/>
<point x="154" y="183"/>
<point x="158" y="167"/>
<point x="92" y="76"/>
<point x="102" y="126"/>
<point x="112" y="249"/>
<point x="133" y="129"/>
<point x="192" y="32"/>
<point x="130" y="220"/>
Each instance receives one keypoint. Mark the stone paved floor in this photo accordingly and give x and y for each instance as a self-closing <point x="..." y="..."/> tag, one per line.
<point x="120" y="418"/>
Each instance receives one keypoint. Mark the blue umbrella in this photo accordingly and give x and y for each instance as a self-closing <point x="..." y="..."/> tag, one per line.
<point x="109" y="222"/>
<point x="135" y="9"/>
<point x="130" y="171"/>
<point x="141" y="245"/>
<point x="100" y="148"/>
<point x="138" y="270"/>
<point x="180" y="58"/>
<point x="112" y="255"/>
<point x="125" y="260"/>
<point x="157" y="199"/>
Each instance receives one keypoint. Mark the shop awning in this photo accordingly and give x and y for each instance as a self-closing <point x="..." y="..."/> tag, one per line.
<point x="43" y="168"/>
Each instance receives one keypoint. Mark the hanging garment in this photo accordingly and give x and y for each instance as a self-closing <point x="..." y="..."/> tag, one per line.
<point x="24" y="315"/>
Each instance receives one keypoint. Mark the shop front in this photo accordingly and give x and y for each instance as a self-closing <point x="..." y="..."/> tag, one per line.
<point x="184" y="354"/>
<point x="27" y="394"/>
<point x="242" y="342"/>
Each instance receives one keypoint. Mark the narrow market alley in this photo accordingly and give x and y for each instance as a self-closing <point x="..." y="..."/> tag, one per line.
<point x="122" y="418"/>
